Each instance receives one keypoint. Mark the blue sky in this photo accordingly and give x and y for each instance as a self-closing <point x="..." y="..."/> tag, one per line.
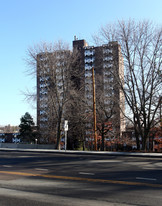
<point x="24" y="23"/>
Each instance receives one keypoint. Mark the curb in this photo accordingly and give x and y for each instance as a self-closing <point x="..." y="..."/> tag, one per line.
<point x="132" y="154"/>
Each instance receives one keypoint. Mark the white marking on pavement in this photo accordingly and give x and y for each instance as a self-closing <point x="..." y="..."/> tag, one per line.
<point x="86" y="173"/>
<point x="137" y="163"/>
<point x="25" y="156"/>
<point x="149" y="168"/>
<point x="144" y="178"/>
<point x="104" y="161"/>
<point x="6" y="165"/>
<point x="41" y="169"/>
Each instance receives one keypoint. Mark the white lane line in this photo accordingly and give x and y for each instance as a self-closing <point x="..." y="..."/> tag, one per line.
<point x="149" y="168"/>
<point x="105" y="161"/>
<point x="6" y="166"/>
<point x="41" y="169"/>
<point x="86" y="173"/>
<point x="144" y="178"/>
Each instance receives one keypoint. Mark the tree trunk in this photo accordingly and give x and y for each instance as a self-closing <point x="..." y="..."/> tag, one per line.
<point x="143" y="145"/>
<point x="103" y="138"/>
<point x="58" y="136"/>
<point x="83" y="140"/>
<point x="137" y="139"/>
<point x="144" y="139"/>
<point x="59" y="130"/>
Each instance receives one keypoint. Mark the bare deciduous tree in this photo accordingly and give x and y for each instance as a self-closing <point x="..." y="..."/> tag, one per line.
<point x="141" y="47"/>
<point x="52" y="63"/>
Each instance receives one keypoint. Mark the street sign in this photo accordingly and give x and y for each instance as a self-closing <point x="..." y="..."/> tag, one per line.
<point x="66" y="129"/>
<point x="66" y="125"/>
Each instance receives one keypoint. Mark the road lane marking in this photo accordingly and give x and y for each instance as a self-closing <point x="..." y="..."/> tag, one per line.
<point x="6" y="165"/>
<point x="144" y="178"/>
<point x="41" y="169"/>
<point x="105" y="161"/>
<point x="82" y="179"/>
<point x="86" y="173"/>
<point x="150" y="168"/>
<point x="25" y="156"/>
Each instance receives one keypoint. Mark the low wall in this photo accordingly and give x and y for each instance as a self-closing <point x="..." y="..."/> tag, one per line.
<point x="26" y="146"/>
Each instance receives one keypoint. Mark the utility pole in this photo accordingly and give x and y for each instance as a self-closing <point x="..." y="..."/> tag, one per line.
<point x="94" y="111"/>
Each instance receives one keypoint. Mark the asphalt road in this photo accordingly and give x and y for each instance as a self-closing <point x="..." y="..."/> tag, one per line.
<point x="46" y="179"/>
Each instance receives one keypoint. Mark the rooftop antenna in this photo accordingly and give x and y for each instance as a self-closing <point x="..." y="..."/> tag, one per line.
<point x="75" y="38"/>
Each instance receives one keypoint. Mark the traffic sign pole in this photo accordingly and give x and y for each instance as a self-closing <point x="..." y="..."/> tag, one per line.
<point x="65" y="129"/>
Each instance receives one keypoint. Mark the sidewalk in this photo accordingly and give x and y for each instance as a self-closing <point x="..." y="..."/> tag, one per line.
<point x="135" y="154"/>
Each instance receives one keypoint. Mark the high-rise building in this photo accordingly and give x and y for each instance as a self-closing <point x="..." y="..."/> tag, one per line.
<point x="51" y="88"/>
<point x="107" y="61"/>
<point x="108" y="64"/>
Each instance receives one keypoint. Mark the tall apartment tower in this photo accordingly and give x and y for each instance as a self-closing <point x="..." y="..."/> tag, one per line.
<point x="51" y="84"/>
<point x="107" y="61"/>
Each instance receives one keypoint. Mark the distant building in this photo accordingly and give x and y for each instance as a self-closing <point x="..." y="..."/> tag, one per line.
<point x="2" y="137"/>
<point x="9" y="138"/>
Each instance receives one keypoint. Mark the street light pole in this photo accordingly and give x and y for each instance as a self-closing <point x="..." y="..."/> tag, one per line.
<point x="94" y="111"/>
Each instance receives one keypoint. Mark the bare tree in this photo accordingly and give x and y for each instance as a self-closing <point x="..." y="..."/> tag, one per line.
<point x="106" y="110"/>
<point x="75" y="109"/>
<point x="77" y="120"/>
<point x="141" y="47"/>
<point x="52" y="64"/>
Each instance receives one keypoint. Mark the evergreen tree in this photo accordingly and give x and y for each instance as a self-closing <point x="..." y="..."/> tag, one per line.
<point x="26" y="130"/>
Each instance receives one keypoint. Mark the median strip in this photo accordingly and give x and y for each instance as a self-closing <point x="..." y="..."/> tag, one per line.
<point x="82" y="179"/>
